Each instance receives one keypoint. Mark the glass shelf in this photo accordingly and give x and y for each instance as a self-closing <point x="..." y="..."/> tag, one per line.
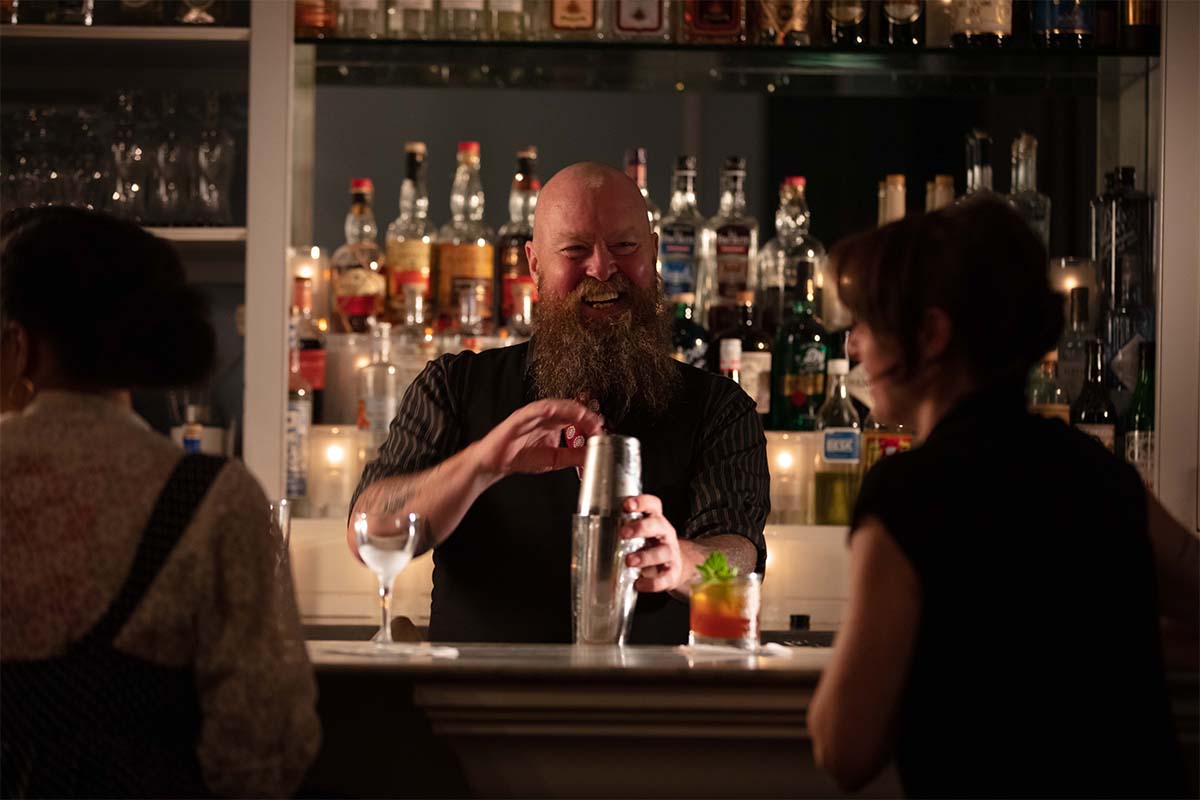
<point x="664" y="67"/>
<point x="139" y="33"/>
<point x="200" y="235"/>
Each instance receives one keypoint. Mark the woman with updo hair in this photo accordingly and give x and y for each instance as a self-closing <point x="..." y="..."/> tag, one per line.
<point x="1008" y="574"/>
<point x="150" y="645"/>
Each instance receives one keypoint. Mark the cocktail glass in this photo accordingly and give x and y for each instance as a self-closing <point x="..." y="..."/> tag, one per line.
<point x="386" y="543"/>
<point x="725" y="612"/>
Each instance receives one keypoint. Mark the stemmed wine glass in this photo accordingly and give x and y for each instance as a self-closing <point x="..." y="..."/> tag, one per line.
<point x="386" y="543"/>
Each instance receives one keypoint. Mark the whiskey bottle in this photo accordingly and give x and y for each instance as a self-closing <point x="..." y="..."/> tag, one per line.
<point x="410" y="241"/>
<point x="464" y="290"/>
<point x="410" y="19"/>
<point x="518" y="294"/>
<point x="359" y="285"/>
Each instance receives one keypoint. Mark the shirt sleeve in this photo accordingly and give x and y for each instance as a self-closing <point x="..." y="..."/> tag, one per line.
<point x="257" y="692"/>
<point x="425" y="432"/>
<point x="731" y="487"/>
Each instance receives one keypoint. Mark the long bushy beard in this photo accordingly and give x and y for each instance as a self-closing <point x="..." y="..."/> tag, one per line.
<point x="624" y="363"/>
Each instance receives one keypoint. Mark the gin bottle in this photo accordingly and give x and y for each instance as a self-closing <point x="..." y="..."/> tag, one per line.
<point x="380" y="386"/>
<point x="731" y="246"/>
<point x="681" y="235"/>
<point x="1025" y="198"/>
<point x="410" y="239"/>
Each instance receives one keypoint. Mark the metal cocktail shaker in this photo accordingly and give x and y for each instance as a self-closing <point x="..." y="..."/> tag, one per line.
<point x="602" y="586"/>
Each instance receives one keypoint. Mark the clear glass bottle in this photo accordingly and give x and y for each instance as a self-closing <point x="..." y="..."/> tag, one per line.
<point x="410" y="241"/>
<point x="510" y="19"/>
<point x="641" y="20"/>
<point x="689" y="338"/>
<point x="681" y="236"/>
<point x="1072" y="350"/>
<point x="380" y="387"/>
<point x="299" y="415"/>
<point x="713" y="22"/>
<point x="803" y="258"/>
<point x="410" y="19"/>
<point x="979" y="163"/>
<point x="1064" y="24"/>
<point x="463" y="20"/>
<point x="730" y="249"/>
<point x="783" y="23"/>
<point x="837" y="474"/>
<point x="798" y="366"/>
<point x="572" y="20"/>
<point x="518" y="294"/>
<point x="742" y="353"/>
<point x="895" y="198"/>
<point x="464" y="289"/>
<point x="1025" y="198"/>
<point x="359" y="267"/>
<point x="1123" y="329"/>
<point x="848" y="23"/>
<point x="309" y="343"/>
<point x="1045" y="395"/>
<point x="360" y="19"/>
<point x="215" y="157"/>
<point x="169" y="190"/>
<point x="1139" y="422"/>
<point x="1093" y="412"/>
<point x="903" y="24"/>
<point x="316" y="19"/>
<point x="130" y="160"/>
<point x="635" y="168"/>
<point x="982" y="23"/>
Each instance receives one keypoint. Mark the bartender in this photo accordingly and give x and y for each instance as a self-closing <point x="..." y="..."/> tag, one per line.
<point x="486" y="445"/>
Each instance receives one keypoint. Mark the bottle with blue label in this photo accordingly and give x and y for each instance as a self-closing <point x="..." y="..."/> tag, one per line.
<point x="837" y="474"/>
<point x="680" y="237"/>
<point x="1065" y="24"/>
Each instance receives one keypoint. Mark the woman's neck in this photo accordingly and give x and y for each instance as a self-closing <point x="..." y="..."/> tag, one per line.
<point x="945" y="392"/>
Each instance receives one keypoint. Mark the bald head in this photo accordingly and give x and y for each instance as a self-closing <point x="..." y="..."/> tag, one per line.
<point x="583" y="185"/>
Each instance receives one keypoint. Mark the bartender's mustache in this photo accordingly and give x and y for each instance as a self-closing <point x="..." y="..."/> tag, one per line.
<point x="589" y="288"/>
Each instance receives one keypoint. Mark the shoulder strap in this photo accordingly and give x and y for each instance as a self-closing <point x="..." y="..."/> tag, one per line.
<point x="173" y="511"/>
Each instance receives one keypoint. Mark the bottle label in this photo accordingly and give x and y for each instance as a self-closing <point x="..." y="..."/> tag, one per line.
<point x="1052" y="411"/>
<point x="191" y="438"/>
<point x="975" y="17"/>
<point x="462" y="5"/>
<point x="508" y="6"/>
<point x="573" y="15"/>
<point x="678" y="256"/>
<point x="1052" y="16"/>
<point x="714" y="16"/>
<point x="878" y="445"/>
<point x="359" y="292"/>
<point x="1125" y="363"/>
<point x="733" y="261"/>
<point x="902" y="11"/>
<point x="756" y="379"/>
<point x="731" y="355"/>
<point x="312" y="367"/>
<point x="299" y="422"/>
<point x="376" y="415"/>
<point x="517" y="288"/>
<point x="840" y="445"/>
<point x="408" y="265"/>
<point x="1139" y="453"/>
<point x="1105" y="434"/>
<point x="414" y="5"/>
<point x="459" y="263"/>
<point x="640" y="16"/>
<point x="808" y="379"/>
<point x="848" y="12"/>
<point x="359" y="5"/>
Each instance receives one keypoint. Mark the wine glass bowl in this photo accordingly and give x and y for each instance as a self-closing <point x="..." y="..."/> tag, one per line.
<point x="386" y="543"/>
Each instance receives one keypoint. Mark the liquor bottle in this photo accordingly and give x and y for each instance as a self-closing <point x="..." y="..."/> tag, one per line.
<point x="1122" y="236"/>
<point x="881" y="204"/>
<point x="215" y="155"/>
<point x="410" y="241"/>
<point x="635" y="168"/>
<point x="316" y="19"/>
<point x="1025" y="198"/>
<point x="1093" y="412"/>
<point x="783" y="23"/>
<point x="410" y="19"/>
<point x="131" y="162"/>
<point x="731" y="247"/>
<point x="904" y="23"/>
<point x="299" y="424"/>
<point x="380" y="386"/>
<point x="982" y="23"/>
<point x="642" y="20"/>
<point x="979" y="163"/>
<point x="688" y="337"/>
<point x="1123" y="329"/>
<point x="682" y="230"/>
<point x="518" y="294"/>
<point x="798" y="366"/>
<point x="714" y="22"/>
<point x="743" y="354"/>
<point x="1140" y="25"/>
<point x="848" y="23"/>
<point x="1045" y="395"/>
<point x="880" y="440"/>
<point x="359" y="266"/>
<point x="466" y="256"/>
<point x="804" y="257"/>
<point x="202" y="12"/>
<point x="462" y="20"/>
<point x="943" y="191"/>
<point x="1064" y="24"/>
<point x="309" y="342"/>
<point x="895" y="198"/>
<point x="509" y="20"/>
<point x="169" y="191"/>
<point x="1139" y="422"/>
<point x="360" y="19"/>
<point x="1072" y="350"/>
<point x="572" y="20"/>
<point x="837" y="473"/>
<point x="939" y="23"/>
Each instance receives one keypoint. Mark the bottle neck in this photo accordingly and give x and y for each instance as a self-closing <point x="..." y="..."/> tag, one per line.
<point x="733" y="194"/>
<point x="1095" y="365"/>
<point x="637" y="174"/>
<point x="466" y="194"/>
<point x="414" y="192"/>
<point x="1024" y="171"/>
<point x="837" y="387"/>
<point x="683" y="196"/>
<point x="979" y="178"/>
<point x="360" y="222"/>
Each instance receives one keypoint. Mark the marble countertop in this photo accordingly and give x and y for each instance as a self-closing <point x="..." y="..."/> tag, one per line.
<point x="774" y="664"/>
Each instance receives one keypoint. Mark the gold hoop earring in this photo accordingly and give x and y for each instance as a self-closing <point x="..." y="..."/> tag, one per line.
<point x="29" y="390"/>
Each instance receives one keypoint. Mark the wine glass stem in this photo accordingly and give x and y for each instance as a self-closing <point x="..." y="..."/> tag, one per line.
<point x="385" y="611"/>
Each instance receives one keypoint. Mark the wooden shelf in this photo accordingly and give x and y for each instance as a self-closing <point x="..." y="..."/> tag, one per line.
<point x="139" y="33"/>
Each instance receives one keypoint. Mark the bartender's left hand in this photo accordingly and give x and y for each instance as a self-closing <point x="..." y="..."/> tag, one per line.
<point x="663" y="563"/>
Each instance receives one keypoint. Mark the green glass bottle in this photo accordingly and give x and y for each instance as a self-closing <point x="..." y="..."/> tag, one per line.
<point x="798" y="366"/>
<point x="1139" y="420"/>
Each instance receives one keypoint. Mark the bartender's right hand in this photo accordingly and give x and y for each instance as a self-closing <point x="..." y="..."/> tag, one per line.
<point x="528" y="440"/>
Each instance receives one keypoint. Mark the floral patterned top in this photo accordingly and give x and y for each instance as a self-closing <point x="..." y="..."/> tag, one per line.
<point x="79" y="476"/>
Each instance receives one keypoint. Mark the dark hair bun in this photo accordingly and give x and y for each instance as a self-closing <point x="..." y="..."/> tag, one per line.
<point x="111" y="299"/>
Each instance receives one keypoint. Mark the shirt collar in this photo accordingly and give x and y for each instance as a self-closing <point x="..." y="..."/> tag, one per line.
<point x="981" y="407"/>
<point x="81" y="404"/>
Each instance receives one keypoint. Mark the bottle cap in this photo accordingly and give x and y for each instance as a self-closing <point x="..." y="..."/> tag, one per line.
<point x="895" y="180"/>
<point x="361" y="186"/>
<point x="839" y="366"/>
<point x="686" y="164"/>
<point x="795" y="180"/>
<point x="635" y="156"/>
<point x="529" y="151"/>
<point x="469" y="147"/>
<point x="415" y="147"/>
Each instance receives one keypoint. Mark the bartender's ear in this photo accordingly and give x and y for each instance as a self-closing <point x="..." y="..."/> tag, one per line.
<point x="532" y="259"/>
<point x="935" y="336"/>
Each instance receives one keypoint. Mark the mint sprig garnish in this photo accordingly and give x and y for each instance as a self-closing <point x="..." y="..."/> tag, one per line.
<point x="716" y="568"/>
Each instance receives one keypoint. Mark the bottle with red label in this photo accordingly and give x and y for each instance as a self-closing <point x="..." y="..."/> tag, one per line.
<point x="518" y="294"/>
<point x="714" y="22"/>
<point x="410" y="240"/>
<point x="359" y="267"/>
<point x="880" y="440"/>
<point x="464" y="290"/>
<point x="730" y="249"/>
<point x="309" y="344"/>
